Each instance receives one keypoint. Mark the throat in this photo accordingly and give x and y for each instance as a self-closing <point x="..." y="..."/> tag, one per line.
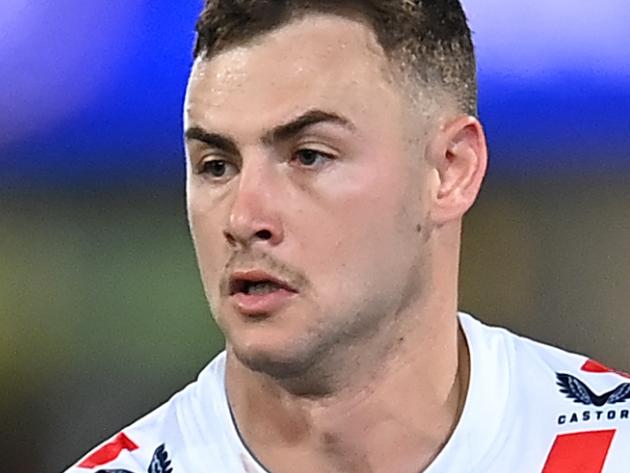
<point x="398" y="420"/>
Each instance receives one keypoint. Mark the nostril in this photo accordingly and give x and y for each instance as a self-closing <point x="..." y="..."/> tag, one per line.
<point x="230" y="238"/>
<point x="263" y="234"/>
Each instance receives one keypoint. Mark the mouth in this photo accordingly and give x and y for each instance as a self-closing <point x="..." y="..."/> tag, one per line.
<point x="257" y="292"/>
<point x="256" y="283"/>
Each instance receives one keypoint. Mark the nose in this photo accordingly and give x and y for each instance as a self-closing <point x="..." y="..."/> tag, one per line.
<point x="254" y="216"/>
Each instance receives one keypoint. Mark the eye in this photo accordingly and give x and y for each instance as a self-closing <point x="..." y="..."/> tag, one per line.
<point x="311" y="158"/>
<point x="217" y="168"/>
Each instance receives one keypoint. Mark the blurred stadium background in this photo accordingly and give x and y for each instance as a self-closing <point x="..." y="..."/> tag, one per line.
<point x="102" y="315"/>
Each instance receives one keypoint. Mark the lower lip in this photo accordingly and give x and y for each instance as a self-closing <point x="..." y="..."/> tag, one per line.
<point x="261" y="304"/>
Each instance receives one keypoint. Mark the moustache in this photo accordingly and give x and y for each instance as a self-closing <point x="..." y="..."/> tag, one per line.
<point x="251" y="259"/>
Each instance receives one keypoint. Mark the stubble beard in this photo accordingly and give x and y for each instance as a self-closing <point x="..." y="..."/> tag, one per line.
<point x="339" y="344"/>
<point x="323" y="361"/>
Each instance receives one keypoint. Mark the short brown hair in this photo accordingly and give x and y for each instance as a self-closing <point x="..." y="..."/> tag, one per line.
<point x="429" y="39"/>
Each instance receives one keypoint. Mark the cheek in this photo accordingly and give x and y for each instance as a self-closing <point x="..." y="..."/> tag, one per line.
<point x="207" y="235"/>
<point x="361" y="230"/>
<point x="379" y="207"/>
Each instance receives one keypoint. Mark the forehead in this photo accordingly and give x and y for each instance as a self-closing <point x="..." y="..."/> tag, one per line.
<point x="318" y="61"/>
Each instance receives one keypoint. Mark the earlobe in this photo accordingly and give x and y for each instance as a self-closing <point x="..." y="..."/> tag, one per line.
<point x="460" y="157"/>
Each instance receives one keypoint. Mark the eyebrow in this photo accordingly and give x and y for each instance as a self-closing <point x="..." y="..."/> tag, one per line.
<point x="280" y="133"/>
<point x="297" y="125"/>
<point x="214" y="140"/>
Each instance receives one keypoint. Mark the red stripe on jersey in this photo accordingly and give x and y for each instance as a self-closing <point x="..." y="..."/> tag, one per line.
<point x="109" y="451"/>
<point x="592" y="366"/>
<point x="582" y="452"/>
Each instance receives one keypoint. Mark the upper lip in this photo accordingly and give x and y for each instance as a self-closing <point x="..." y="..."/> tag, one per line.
<point x="239" y="279"/>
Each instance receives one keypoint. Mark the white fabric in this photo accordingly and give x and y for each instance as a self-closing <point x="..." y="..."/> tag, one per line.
<point x="513" y="414"/>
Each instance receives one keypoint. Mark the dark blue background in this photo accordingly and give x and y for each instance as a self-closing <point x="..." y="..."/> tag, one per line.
<point x="93" y="94"/>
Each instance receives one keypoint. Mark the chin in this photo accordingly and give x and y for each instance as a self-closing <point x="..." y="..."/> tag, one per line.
<point x="282" y="346"/>
<point x="281" y="360"/>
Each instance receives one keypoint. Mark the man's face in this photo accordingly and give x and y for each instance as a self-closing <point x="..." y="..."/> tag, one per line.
<point x="302" y="170"/>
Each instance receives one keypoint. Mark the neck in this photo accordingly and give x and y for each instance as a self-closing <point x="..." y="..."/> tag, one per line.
<point x="393" y="414"/>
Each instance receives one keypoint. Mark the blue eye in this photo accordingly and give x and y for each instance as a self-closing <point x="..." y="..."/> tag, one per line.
<point x="311" y="157"/>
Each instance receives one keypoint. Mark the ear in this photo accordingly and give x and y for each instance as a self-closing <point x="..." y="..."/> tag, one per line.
<point x="460" y="157"/>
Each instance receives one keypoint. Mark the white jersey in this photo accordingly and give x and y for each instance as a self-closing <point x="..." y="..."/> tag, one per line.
<point x="530" y="408"/>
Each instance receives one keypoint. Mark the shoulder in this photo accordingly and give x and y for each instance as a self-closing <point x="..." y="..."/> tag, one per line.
<point x="148" y="445"/>
<point x="566" y="410"/>
<point x="546" y="367"/>
<point x="584" y="393"/>
<point x="121" y="454"/>
<point x="538" y="364"/>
